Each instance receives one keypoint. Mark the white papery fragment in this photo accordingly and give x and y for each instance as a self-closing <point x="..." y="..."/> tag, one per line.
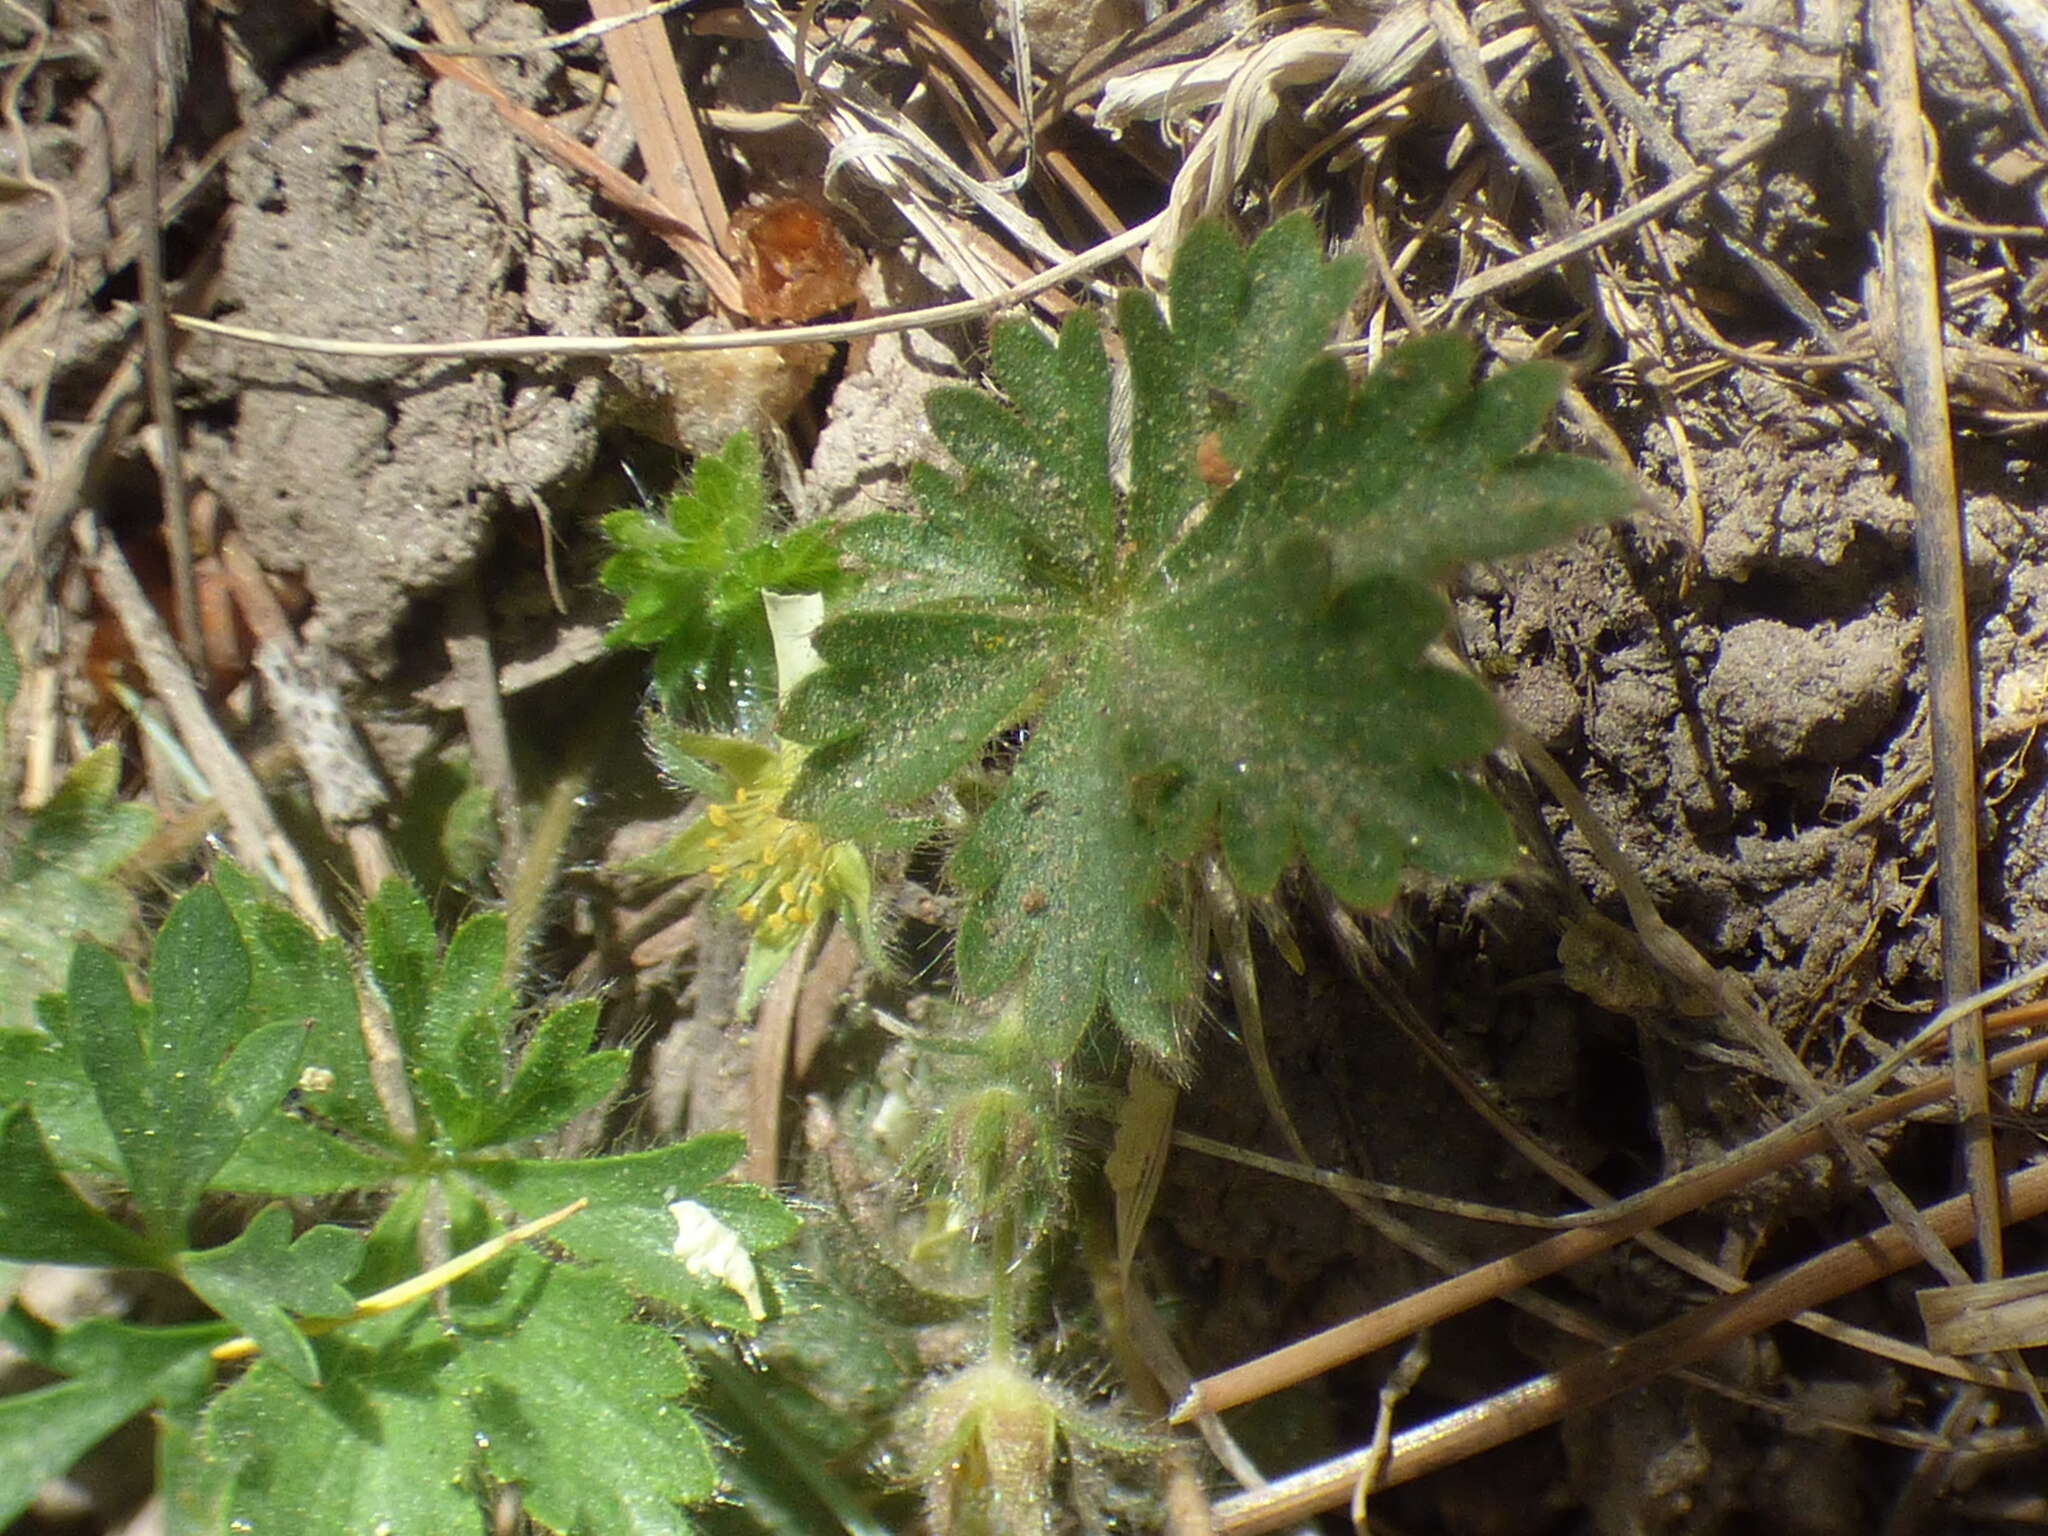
<point x="711" y="1250"/>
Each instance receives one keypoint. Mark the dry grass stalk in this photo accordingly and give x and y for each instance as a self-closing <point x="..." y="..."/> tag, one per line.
<point x="1662" y="1203"/>
<point x="1604" y="1374"/>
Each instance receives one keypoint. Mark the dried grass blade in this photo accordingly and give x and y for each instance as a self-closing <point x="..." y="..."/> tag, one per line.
<point x="664" y="124"/>
<point x="1603" y="1374"/>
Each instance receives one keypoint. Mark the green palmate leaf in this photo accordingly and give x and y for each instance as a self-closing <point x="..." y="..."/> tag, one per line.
<point x="1242" y="668"/>
<point x="59" y="886"/>
<point x="385" y="1444"/>
<point x="43" y="1220"/>
<point x="117" y="1372"/>
<point x="470" y="1008"/>
<point x="300" y="1159"/>
<point x="1246" y="325"/>
<point x="263" y="1279"/>
<point x="183" y="1078"/>
<point x="1417" y="471"/>
<point x="332" y="1136"/>
<point x="692" y="584"/>
<point x="1066" y="885"/>
<point x="456" y="1020"/>
<point x="580" y="1407"/>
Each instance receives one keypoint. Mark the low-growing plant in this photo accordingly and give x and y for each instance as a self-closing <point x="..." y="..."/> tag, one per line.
<point x="353" y="1382"/>
<point x="1117" y="670"/>
<point x="1111" y="673"/>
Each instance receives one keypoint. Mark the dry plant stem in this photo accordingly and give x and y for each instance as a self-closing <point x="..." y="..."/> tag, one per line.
<point x="998" y="104"/>
<point x="114" y="413"/>
<point x="828" y="979"/>
<point x="467" y="642"/>
<point x="254" y="830"/>
<point x="1666" y="1202"/>
<point x="551" y="42"/>
<point x="1682" y="190"/>
<point x="768" y="1073"/>
<point x="1674" y="955"/>
<point x="388" y="1079"/>
<point x="1186" y="1507"/>
<point x="1737" y="1006"/>
<point x="1460" y="48"/>
<point x="1393" y="1006"/>
<point x="1931" y="1474"/>
<point x="347" y="790"/>
<point x="1227" y="917"/>
<point x="663" y="123"/>
<point x="1371" y="1189"/>
<point x="1392" y="1390"/>
<point x="1606" y="1373"/>
<point x="633" y="346"/>
<point x="406" y="1292"/>
<point x="540" y="860"/>
<point x="685" y="238"/>
<point x="1568" y="34"/>
<point x="1913" y="294"/>
<point x="156" y="335"/>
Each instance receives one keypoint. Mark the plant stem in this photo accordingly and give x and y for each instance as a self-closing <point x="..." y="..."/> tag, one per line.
<point x="1002" y="1318"/>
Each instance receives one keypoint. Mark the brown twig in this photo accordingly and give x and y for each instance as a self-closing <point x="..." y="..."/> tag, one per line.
<point x="664" y="124"/>
<point x="629" y="346"/>
<point x="1913" y="293"/>
<point x="1487" y="1282"/>
<point x="687" y="239"/>
<point x="467" y="642"/>
<point x="156" y="333"/>
<point x="252" y="827"/>
<point x="1604" y="1374"/>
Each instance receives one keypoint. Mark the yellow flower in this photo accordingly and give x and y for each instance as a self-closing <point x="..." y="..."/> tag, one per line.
<point x="777" y="875"/>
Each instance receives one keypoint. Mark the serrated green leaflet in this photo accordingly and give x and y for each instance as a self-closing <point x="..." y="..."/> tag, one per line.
<point x="402" y="950"/>
<point x="628" y="1229"/>
<point x="42" y="1219"/>
<point x="558" y="1077"/>
<point x="42" y="1068"/>
<point x="43" y="1432"/>
<point x="264" y="1278"/>
<point x="59" y="884"/>
<point x="1242" y="668"/>
<point x="576" y="1374"/>
<point x="384" y="1446"/>
<point x="456" y="1021"/>
<point x="298" y="976"/>
<point x="692" y="584"/>
<point x="182" y="1078"/>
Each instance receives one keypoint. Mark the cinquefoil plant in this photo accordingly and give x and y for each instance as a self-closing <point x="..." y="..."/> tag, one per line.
<point x="342" y="1390"/>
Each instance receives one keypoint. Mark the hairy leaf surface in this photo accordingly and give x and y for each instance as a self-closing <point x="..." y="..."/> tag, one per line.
<point x="1231" y="655"/>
